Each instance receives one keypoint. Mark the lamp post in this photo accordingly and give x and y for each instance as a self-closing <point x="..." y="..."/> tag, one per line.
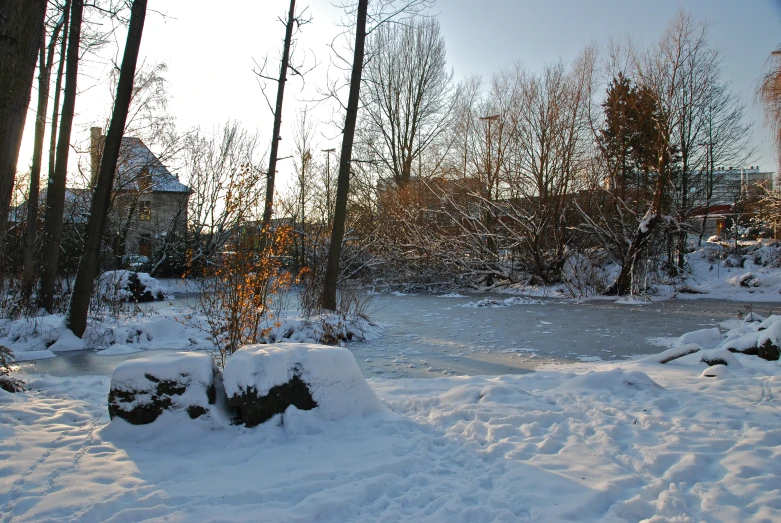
<point x="328" y="183"/>
<point x="488" y="165"/>
<point x="491" y="244"/>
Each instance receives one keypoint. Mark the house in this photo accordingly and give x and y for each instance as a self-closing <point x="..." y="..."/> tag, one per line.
<point x="149" y="208"/>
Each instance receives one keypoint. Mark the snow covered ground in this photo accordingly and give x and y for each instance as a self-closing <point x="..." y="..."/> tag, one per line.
<point x="630" y="441"/>
<point x="714" y="272"/>
<point x="612" y="441"/>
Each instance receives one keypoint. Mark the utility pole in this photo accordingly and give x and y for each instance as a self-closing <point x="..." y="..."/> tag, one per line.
<point x="328" y="184"/>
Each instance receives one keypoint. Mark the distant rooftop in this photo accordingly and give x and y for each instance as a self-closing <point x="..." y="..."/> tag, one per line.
<point x="135" y="158"/>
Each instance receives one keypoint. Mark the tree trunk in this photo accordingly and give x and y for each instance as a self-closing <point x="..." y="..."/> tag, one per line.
<point x="44" y="76"/>
<point x="328" y="298"/>
<point x="21" y="32"/>
<point x="76" y="317"/>
<point x="272" y="161"/>
<point x="55" y="193"/>
<point x="58" y="92"/>
<point x="623" y="284"/>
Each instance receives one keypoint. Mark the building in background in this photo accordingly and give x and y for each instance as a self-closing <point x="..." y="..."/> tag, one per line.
<point x="148" y="219"/>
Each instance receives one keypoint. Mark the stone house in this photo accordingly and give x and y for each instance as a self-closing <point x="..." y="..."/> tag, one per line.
<point x="149" y="207"/>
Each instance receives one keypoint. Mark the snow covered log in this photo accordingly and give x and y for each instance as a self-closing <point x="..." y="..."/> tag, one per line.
<point x="143" y="388"/>
<point x="264" y="380"/>
<point x="674" y="353"/>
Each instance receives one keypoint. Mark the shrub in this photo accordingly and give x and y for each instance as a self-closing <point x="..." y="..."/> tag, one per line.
<point x="8" y="382"/>
<point x="239" y="293"/>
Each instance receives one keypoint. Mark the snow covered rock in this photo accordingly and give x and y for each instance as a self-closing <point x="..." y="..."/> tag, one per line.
<point x="619" y="382"/>
<point x="769" y="341"/>
<point x="143" y="388"/>
<point x="130" y="286"/>
<point x="264" y="380"/>
<point x="752" y="317"/>
<point x="747" y="279"/>
<point x="715" y="371"/>
<point x="706" y="338"/>
<point x="719" y="357"/>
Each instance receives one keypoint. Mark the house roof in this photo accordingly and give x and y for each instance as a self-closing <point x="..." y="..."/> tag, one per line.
<point x="135" y="157"/>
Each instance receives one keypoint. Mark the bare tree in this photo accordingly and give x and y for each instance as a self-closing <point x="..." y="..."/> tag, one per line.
<point x="55" y="194"/>
<point x="328" y="298"/>
<point x="769" y="93"/>
<point x="292" y="22"/>
<point x="45" y="60"/>
<point x="76" y="317"/>
<point x="21" y="34"/>
<point x="225" y="177"/>
<point x="408" y="94"/>
<point x="384" y="11"/>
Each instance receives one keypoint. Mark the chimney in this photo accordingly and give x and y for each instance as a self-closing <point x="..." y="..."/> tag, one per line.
<point x="95" y="151"/>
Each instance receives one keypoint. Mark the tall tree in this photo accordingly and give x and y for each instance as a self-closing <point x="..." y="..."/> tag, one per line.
<point x="627" y="139"/>
<point x="45" y="59"/>
<point x="76" y="317"/>
<point x="55" y="194"/>
<point x="770" y="95"/>
<point x="292" y="21"/>
<point x="408" y="94"/>
<point x="21" y="33"/>
<point x="331" y="277"/>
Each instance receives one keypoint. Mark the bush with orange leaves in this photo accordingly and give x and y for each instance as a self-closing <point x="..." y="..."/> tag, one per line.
<point x="242" y="293"/>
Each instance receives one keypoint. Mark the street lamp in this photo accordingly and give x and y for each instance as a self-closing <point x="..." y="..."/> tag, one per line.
<point x="489" y="182"/>
<point x="488" y="119"/>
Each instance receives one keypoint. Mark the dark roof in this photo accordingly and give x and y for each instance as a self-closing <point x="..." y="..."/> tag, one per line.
<point x="136" y="156"/>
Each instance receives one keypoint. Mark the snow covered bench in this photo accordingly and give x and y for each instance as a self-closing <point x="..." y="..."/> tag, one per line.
<point x="264" y="380"/>
<point x="143" y="388"/>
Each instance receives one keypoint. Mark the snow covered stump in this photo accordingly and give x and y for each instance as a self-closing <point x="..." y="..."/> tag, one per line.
<point x="143" y="388"/>
<point x="265" y="380"/>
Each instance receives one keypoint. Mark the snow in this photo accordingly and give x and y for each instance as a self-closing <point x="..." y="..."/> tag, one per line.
<point x="162" y="328"/>
<point x="131" y="374"/>
<point x="34" y="355"/>
<point x="715" y="371"/>
<point x="706" y="338"/>
<point x="194" y="371"/>
<point x="112" y="285"/>
<point x="713" y="271"/>
<point x="67" y="341"/>
<point x="331" y="374"/>
<point x="495" y="302"/>
<point x="600" y="441"/>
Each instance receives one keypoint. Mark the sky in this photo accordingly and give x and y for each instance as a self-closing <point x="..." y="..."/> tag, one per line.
<point x="211" y="53"/>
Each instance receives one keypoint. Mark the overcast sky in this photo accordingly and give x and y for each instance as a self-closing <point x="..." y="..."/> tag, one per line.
<point x="210" y="46"/>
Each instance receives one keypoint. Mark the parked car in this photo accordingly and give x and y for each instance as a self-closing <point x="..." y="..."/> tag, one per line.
<point x="136" y="262"/>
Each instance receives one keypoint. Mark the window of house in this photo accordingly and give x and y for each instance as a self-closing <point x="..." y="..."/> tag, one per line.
<point x="145" y="211"/>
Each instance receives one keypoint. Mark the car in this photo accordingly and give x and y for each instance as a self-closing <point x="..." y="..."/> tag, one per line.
<point x="136" y="262"/>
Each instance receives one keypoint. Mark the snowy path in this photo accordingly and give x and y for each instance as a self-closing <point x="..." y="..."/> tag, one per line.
<point x="600" y="445"/>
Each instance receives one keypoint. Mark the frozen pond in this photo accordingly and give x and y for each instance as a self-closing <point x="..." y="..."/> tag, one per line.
<point x="429" y="336"/>
<point x="434" y="336"/>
